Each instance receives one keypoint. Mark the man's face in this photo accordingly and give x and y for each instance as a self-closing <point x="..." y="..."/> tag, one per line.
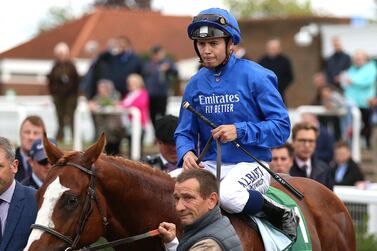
<point x="281" y="161"/>
<point x="40" y="168"/>
<point x="304" y="144"/>
<point x="189" y="204"/>
<point x="7" y="171"/>
<point x="212" y="51"/>
<point x="168" y="151"/>
<point x="273" y="48"/>
<point x="28" y="134"/>
<point x="342" y="155"/>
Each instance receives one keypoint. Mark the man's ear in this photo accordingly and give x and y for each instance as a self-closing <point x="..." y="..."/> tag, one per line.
<point x="15" y="166"/>
<point x="213" y="200"/>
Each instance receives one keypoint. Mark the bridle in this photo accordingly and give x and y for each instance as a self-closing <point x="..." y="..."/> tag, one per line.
<point x="85" y="213"/>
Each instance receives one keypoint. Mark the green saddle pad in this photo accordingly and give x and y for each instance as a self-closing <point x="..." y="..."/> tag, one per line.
<point x="303" y="242"/>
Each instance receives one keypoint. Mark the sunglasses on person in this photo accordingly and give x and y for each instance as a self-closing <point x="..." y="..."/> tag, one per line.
<point x="43" y="162"/>
<point x="212" y="18"/>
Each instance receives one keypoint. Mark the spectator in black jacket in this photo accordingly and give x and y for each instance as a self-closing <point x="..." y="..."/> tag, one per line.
<point x="279" y="63"/>
<point x="159" y="74"/>
<point x="167" y="158"/>
<point x="339" y="61"/>
<point x="345" y="170"/>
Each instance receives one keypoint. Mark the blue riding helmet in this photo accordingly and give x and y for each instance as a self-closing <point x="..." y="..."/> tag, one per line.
<point x="214" y="22"/>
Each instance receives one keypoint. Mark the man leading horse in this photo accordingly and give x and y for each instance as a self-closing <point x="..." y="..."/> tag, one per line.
<point x="242" y="98"/>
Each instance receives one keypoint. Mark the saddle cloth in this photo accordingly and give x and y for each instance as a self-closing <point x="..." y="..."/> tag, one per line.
<point x="273" y="238"/>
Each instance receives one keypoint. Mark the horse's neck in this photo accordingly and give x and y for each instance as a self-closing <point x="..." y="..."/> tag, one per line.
<point x="136" y="196"/>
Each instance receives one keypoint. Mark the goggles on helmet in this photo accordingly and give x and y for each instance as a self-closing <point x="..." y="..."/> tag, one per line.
<point x="208" y="32"/>
<point x="212" y="18"/>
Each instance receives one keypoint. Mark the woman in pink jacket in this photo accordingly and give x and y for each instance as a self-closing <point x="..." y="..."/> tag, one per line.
<point x="137" y="97"/>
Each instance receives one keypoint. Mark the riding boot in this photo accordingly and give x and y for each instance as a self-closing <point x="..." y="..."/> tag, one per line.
<point x="280" y="217"/>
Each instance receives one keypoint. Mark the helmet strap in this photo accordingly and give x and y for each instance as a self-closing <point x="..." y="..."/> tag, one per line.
<point x="197" y="52"/>
<point x="228" y="51"/>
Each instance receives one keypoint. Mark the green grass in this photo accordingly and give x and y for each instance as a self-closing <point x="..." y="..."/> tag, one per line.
<point x="365" y="241"/>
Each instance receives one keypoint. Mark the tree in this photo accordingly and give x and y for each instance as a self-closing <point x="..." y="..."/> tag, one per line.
<point x="56" y="16"/>
<point x="131" y="4"/>
<point x="267" y="8"/>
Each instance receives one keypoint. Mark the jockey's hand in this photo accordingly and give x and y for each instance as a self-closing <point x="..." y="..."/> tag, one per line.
<point x="225" y="133"/>
<point x="189" y="161"/>
<point x="167" y="231"/>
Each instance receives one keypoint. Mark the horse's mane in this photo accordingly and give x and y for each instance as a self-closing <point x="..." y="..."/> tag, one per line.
<point x="123" y="163"/>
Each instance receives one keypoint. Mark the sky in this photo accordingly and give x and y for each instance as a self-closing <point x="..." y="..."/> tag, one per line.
<point x="19" y="19"/>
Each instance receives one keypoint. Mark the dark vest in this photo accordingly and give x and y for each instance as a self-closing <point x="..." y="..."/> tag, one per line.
<point x="213" y="225"/>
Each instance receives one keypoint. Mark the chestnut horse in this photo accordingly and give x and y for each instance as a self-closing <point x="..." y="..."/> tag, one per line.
<point x="89" y="194"/>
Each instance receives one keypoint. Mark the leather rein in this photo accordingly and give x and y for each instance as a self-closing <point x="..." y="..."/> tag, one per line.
<point x="85" y="213"/>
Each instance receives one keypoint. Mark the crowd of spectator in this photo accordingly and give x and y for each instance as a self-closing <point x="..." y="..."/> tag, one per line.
<point x="321" y="143"/>
<point x="119" y="79"/>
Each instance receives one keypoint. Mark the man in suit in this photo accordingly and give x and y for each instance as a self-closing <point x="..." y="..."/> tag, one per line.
<point x="304" y="136"/>
<point x="18" y="206"/>
<point x="345" y="171"/>
<point x="39" y="164"/>
<point x="31" y="128"/>
<point x="167" y="158"/>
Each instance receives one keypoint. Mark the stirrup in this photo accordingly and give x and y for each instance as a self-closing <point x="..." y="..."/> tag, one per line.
<point x="281" y="217"/>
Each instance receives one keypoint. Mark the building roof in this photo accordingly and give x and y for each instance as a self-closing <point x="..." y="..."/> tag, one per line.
<point x="144" y="29"/>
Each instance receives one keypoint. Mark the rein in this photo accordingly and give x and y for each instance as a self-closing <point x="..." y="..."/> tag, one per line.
<point x="218" y="158"/>
<point x="85" y="213"/>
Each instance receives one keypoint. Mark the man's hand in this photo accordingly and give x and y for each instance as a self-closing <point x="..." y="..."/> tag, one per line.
<point x="189" y="161"/>
<point x="225" y="133"/>
<point x="167" y="231"/>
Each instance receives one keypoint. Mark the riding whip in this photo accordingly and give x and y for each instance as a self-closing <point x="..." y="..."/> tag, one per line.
<point x="277" y="177"/>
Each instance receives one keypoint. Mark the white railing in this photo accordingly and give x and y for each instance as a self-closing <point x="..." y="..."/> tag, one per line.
<point x="14" y="109"/>
<point x="360" y="203"/>
<point x="295" y="115"/>
<point x="82" y="113"/>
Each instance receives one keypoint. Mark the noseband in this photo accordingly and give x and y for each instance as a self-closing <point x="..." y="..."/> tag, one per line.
<point x="85" y="213"/>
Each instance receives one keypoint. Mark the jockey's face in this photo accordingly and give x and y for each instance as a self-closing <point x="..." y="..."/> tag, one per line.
<point x="212" y="51"/>
<point x="189" y="203"/>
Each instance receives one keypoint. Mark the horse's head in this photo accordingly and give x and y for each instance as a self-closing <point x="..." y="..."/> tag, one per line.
<point x="71" y="208"/>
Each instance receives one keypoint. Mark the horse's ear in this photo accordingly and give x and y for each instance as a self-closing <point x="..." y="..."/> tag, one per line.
<point x="53" y="153"/>
<point x="95" y="150"/>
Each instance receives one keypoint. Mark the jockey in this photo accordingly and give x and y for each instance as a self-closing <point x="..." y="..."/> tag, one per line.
<point x="242" y="98"/>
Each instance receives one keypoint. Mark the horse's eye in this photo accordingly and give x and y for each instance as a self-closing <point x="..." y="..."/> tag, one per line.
<point x="71" y="202"/>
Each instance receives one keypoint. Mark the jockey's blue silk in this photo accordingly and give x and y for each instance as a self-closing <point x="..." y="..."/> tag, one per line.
<point x="242" y="93"/>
